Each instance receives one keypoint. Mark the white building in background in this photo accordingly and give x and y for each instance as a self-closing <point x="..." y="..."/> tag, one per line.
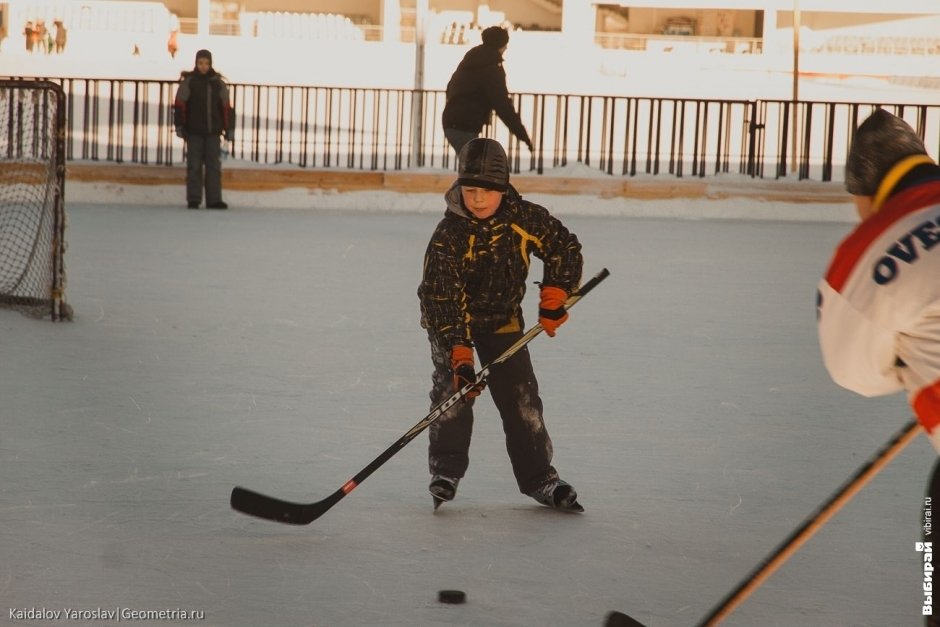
<point x="642" y="47"/>
<point x="770" y="22"/>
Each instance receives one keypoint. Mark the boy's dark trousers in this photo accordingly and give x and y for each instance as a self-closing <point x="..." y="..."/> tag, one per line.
<point x="515" y="392"/>
<point x="204" y="152"/>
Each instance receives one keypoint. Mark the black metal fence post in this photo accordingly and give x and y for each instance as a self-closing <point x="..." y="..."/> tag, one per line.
<point x="123" y="120"/>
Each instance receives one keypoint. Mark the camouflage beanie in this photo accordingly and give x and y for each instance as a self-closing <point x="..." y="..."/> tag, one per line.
<point x="482" y="162"/>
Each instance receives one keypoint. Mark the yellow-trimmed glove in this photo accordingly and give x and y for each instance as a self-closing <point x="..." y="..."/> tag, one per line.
<point x="552" y="312"/>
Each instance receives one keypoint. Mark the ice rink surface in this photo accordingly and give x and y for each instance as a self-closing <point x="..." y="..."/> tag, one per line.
<point x="280" y="350"/>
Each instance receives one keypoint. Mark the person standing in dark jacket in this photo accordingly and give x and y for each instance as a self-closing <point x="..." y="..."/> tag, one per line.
<point x="202" y="113"/>
<point x="476" y="89"/>
<point x="475" y="270"/>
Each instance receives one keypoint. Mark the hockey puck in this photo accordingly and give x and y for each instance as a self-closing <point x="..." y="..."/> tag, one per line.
<point x="451" y="596"/>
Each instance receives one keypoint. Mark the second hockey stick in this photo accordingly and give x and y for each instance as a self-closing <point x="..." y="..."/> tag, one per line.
<point x="270" y="508"/>
<point x="811" y="525"/>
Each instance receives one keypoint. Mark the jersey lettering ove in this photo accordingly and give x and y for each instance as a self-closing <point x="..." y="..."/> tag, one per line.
<point x="924" y="236"/>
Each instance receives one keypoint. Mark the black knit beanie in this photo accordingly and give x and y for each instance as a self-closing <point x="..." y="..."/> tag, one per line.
<point x="495" y="37"/>
<point x="879" y="143"/>
<point x="482" y="162"/>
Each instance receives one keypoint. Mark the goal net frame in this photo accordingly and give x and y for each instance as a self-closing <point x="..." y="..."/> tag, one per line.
<point x="32" y="198"/>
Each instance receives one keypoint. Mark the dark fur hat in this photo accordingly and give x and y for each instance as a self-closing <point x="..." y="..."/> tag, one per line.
<point x="879" y="143"/>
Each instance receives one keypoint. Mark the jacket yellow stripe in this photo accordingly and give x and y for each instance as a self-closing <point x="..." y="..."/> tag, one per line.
<point x="524" y="238"/>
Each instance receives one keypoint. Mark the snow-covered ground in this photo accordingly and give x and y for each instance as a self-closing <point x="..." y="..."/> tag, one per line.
<point x="280" y="350"/>
<point x="740" y="196"/>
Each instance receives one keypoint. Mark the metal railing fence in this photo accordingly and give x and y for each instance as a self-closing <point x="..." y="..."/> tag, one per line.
<point x="123" y="120"/>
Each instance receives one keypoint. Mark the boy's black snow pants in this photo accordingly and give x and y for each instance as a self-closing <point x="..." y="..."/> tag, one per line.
<point x="515" y="392"/>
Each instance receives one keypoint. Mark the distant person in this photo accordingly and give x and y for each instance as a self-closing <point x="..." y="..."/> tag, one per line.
<point x="61" y="36"/>
<point x="202" y="113"/>
<point x="476" y="89"/>
<point x="29" y="32"/>
<point x="172" y="44"/>
<point x="471" y="293"/>
<point x="39" y="36"/>
<point x="879" y="302"/>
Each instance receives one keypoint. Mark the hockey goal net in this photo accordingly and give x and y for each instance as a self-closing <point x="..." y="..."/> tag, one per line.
<point x="32" y="192"/>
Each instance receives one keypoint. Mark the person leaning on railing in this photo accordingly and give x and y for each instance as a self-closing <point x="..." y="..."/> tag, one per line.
<point x="476" y="89"/>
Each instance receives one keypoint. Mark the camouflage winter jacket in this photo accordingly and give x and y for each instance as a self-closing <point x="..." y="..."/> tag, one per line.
<point x="475" y="270"/>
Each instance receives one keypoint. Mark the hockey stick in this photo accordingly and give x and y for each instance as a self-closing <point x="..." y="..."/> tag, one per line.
<point x="270" y="508"/>
<point x="812" y="524"/>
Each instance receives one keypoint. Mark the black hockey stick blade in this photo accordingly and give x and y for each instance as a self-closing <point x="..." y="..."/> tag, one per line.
<point x="270" y="508"/>
<point x="619" y="619"/>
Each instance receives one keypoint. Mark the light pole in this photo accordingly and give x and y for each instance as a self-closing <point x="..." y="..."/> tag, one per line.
<point x="796" y="80"/>
<point x="417" y="102"/>
<point x="796" y="50"/>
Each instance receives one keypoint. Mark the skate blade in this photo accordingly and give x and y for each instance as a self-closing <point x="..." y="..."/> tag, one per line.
<point x="574" y="508"/>
<point x="440" y="498"/>
<point x="566" y="500"/>
<point x="571" y="508"/>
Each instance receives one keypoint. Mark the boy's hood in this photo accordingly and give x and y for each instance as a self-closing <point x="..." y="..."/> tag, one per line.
<point x="454" y="200"/>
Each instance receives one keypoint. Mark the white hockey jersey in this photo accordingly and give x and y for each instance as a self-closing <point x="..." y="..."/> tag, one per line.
<point x="879" y="303"/>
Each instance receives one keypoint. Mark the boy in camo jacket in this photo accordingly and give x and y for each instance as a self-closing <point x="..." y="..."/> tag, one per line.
<point x="474" y="278"/>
